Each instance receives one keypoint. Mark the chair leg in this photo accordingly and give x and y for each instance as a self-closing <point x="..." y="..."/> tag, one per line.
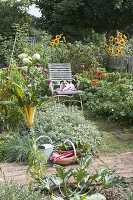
<point x="81" y="103"/>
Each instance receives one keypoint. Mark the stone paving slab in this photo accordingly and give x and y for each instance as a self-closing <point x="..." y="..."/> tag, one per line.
<point x="123" y="164"/>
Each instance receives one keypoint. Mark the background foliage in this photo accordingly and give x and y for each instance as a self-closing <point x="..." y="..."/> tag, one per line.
<point x="75" y="18"/>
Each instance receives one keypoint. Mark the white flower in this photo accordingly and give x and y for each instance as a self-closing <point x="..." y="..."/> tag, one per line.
<point x="96" y="196"/>
<point x="24" y="68"/>
<point x="23" y="55"/>
<point x="26" y="60"/>
<point x="36" y="56"/>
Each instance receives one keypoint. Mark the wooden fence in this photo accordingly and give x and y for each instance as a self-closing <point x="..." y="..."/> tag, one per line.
<point x="122" y="62"/>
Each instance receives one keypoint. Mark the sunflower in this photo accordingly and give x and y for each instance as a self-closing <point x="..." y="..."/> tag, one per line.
<point x="56" y="41"/>
<point x="125" y="37"/>
<point x="58" y="36"/>
<point x="111" y="50"/>
<point x="119" y="52"/>
<point x="116" y="40"/>
<point x="122" y="42"/>
<point x="52" y="43"/>
<point x="120" y="34"/>
<point x="116" y="51"/>
<point x="111" y="38"/>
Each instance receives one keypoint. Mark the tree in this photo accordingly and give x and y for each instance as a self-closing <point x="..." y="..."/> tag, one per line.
<point x="76" y="17"/>
<point x="12" y="12"/>
<point x="13" y="17"/>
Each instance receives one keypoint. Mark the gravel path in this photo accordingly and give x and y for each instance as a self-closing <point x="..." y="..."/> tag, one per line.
<point x="122" y="162"/>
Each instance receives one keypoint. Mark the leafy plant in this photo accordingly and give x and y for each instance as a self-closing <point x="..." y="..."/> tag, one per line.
<point x="110" y="98"/>
<point x="36" y="161"/>
<point x="28" y="85"/>
<point x="61" y="123"/>
<point x="17" y="147"/>
<point x="85" y="183"/>
<point x="12" y="190"/>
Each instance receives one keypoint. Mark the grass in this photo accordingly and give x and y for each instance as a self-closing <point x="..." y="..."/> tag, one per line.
<point x="116" y="139"/>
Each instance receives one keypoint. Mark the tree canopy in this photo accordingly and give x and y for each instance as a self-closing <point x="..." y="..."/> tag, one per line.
<point x="76" y="17"/>
<point x="12" y="12"/>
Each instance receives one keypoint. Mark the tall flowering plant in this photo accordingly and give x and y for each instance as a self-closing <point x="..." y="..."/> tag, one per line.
<point x="117" y="45"/>
<point x="31" y="90"/>
<point x="91" y="75"/>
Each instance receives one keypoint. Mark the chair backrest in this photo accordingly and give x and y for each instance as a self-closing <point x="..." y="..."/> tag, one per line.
<point x="60" y="71"/>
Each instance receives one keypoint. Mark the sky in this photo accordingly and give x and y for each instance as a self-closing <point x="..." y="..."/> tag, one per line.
<point x="34" y="11"/>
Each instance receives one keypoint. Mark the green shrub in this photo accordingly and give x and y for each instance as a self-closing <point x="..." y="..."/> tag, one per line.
<point x="16" y="147"/>
<point x="14" y="191"/>
<point x="60" y="123"/>
<point x="111" y="98"/>
<point x="78" y="54"/>
<point x="3" y="149"/>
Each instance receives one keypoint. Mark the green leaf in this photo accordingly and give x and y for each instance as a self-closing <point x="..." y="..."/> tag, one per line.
<point x="19" y="93"/>
<point x="7" y="103"/>
<point x="56" y="180"/>
<point x="80" y="174"/>
<point x="63" y="173"/>
<point x="83" y="197"/>
<point x="85" y="162"/>
<point x="76" y="197"/>
<point x="56" y="198"/>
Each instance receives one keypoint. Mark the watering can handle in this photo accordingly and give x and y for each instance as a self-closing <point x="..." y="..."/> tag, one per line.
<point x="43" y="136"/>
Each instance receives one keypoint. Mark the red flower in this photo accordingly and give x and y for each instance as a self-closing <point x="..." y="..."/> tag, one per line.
<point x="103" y="75"/>
<point x="96" y="77"/>
<point x="94" y="82"/>
<point x="100" y="73"/>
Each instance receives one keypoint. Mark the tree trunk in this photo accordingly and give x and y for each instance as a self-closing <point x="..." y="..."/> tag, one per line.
<point x="108" y="34"/>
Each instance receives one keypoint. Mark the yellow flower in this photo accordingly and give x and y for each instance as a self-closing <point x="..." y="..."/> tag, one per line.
<point x="52" y="43"/>
<point x="125" y="37"/>
<point x="111" y="50"/>
<point x="122" y="42"/>
<point x="119" y="52"/>
<point x="56" y="41"/>
<point x="116" y="40"/>
<point x="120" y="34"/>
<point x="58" y="36"/>
<point x="111" y="38"/>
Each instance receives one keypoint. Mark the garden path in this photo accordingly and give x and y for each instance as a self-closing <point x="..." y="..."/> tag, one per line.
<point x="122" y="162"/>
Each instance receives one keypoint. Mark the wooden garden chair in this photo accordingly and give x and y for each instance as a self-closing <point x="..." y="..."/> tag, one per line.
<point x="57" y="73"/>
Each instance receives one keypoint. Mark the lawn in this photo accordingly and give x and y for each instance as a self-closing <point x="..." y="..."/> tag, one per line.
<point x="116" y="139"/>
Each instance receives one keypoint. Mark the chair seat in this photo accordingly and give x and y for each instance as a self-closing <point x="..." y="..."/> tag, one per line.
<point x="68" y="92"/>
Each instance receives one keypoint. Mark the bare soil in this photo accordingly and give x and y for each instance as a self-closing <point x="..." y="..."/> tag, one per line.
<point x="123" y="163"/>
